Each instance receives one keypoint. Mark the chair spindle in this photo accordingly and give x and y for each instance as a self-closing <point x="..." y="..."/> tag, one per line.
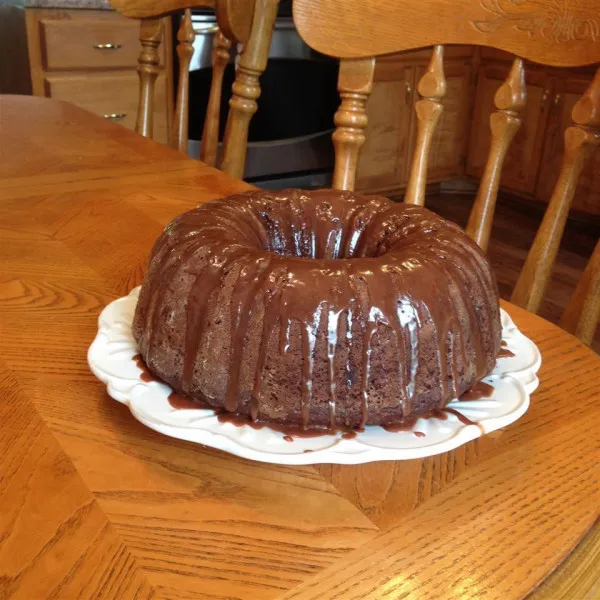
<point x="583" y="310"/>
<point x="355" y="82"/>
<point x="246" y="87"/>
<point x="504" y="123"/>
<point x="148" y="61"/>
<point x="185" y="51"/>
<point x="432" y="88"/>
<point x="210" y="136"/>
<point x="580" y="141"/>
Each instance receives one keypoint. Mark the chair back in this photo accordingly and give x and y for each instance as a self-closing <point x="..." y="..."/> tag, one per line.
<point x="560" y="34"/>
<point x="248" y="23"/>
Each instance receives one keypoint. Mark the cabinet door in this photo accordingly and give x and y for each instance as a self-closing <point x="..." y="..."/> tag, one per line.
<point x="587" y="194"/>
<point x="112" y="95"/>
<point x="523" y="158"/>
<point x="385" y="154"/>
<point x="449" y="143"/>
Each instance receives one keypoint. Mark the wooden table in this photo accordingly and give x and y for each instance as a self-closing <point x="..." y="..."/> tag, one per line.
<point x="95" y="505"/>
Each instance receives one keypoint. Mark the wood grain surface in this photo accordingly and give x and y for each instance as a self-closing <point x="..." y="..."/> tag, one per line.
<point x="557" y="33"/>
<point x="95" y="505"/>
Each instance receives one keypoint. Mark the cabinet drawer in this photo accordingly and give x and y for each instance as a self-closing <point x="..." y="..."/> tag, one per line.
<point x="89" y="41"/>
<point x="110" y="95"/>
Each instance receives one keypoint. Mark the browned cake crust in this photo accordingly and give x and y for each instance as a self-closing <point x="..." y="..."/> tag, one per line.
<point x="318" y="309"/>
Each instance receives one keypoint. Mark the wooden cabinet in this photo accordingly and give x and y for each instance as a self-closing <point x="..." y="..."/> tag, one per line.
<point x="566" y="92"/>
<point x="449" y="143"/>
<point x="462" y="138"/>
<point x="111" y="95"/>
<point x="385" y="158"/>
<point x="89" y="58"/>
<point x="535" y="157"/>
<point x="523" y="158"/>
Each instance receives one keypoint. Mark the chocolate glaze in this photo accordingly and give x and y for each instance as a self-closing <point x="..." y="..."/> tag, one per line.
<point x="145" y="375"/>
<point x="477" y="392"/>
<point x="405" y="425"/>
<point x="317" y="309"/>
<point x="463" y="419"/>
<point x="505" y="353"/>
<point x="182" y="403"/>
<point x="419" y="434"/>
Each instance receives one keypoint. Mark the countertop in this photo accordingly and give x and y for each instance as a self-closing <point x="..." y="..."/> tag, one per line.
<point x="89" y="4"/>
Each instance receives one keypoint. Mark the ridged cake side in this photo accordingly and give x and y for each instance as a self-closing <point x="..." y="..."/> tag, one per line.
<point x="318" y="309"/>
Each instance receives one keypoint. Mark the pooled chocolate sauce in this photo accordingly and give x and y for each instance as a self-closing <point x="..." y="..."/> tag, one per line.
<point x="405" y="425"/>
<point x="289" y="431"/>
<point x="477" y="392"/>
<point x="288" y="438"/>
<point x="182" y="403"/>
<point x="146" y="376"/>
<point x="505" y="353"/>
<point x="463" y="419"/>
<point x="419" y="434"/>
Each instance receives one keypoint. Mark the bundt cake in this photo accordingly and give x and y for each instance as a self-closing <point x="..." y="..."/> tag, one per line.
<point x="319" y="309"/>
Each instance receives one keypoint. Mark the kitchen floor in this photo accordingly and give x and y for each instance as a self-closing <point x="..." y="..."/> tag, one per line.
<point x="515" y="224"/>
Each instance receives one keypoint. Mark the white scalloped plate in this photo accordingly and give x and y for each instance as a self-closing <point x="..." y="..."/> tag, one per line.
<point x="111" y="359"/>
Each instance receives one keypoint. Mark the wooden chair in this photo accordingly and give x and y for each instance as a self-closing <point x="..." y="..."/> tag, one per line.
<point x="543" y="32"/>
<point x="246" y="22"/>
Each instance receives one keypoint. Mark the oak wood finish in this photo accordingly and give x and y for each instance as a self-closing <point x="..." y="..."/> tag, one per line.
<point x="85" y="56"/>
<point x="246" y="87"/>
<point x="432" y="89"/>
<point x="129" y="513"/>
<point x="504" y="123"/>
<point x="582" y="314"/>
<point x="523" y="162"/>
<point x="384" y="161"/>
<point x="560" y="35"/>
<point x="565" y="91"/>
<point x="96" y="92"/>
<point x="249" y="23"/>
<point x="580" y="141"/>
<point x="185" y="50"/>
<point x="233" y="16"/>
<point x="84" y="43"/>
<point x="150" y="37"/>
<point x="355" y="82"/>
<point x="210" y="137"/>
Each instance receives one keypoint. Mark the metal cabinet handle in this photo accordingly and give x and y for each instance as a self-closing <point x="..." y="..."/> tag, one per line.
<point x="556" y="99"/>
<point x="408" y="90"/>
<point x="107" y="46"/>
<point x="115" y="116"/>
<point x="208" y="31"/>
